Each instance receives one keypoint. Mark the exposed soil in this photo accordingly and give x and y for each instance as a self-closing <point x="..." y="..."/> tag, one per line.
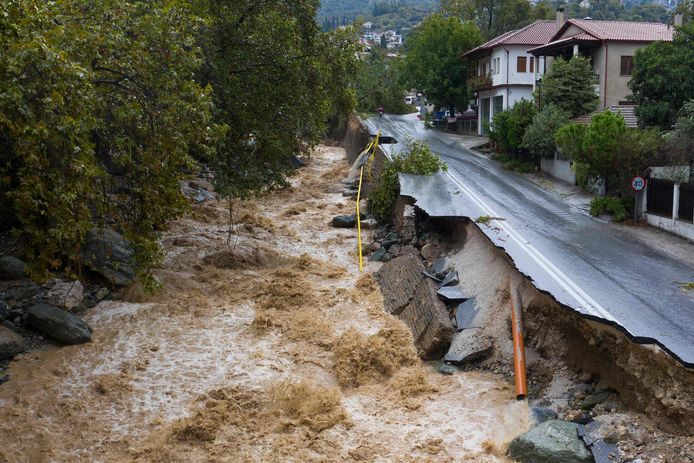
<point x="264" y="346"/>
<point x="649" y="396"/>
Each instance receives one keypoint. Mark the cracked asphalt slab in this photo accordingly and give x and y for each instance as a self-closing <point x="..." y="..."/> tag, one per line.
<point x="586" y="264"/>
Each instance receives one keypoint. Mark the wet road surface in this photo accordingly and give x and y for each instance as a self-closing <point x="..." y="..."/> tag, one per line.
<point x="586" y="264"/>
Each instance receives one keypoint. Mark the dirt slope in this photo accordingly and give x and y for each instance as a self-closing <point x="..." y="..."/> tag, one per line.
<point x="269" y="346"/>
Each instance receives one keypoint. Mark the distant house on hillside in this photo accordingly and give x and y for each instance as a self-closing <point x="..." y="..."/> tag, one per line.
<point x="610" y="46"/>
<point x="504" y="70"/>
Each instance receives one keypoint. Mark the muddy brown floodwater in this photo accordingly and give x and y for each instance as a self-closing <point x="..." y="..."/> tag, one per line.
<point x="270" y="347"/>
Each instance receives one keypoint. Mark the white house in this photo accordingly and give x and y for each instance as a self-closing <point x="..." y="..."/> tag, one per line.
<point x="504" y="70"/>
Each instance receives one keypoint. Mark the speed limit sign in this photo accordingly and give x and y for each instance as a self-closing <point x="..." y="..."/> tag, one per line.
<point x="638" y="183"/>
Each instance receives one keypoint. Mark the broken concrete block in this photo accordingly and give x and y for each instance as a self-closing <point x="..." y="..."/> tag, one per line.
<point x="439" y="268"/>
<point x="411" y="296"/>
<point x="466" y="313"/>
<point x="451" y="294"/>
<point x="398" y="281"/>
<point x="451" y="279"/>
<point x="428" y="321"/>
<point x="469" y="345"/>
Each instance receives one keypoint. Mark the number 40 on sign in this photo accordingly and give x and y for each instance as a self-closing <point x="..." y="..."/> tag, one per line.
<point x="638" y="183"/>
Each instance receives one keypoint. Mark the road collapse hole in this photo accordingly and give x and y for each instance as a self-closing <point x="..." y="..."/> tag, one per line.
<point x="361" y="360"/>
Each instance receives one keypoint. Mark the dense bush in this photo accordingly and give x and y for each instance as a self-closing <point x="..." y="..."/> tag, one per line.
<point x="610" y="205"/>
<point x="606" y="148"/>
<point x="508" y="127"/>
<point x="418" y="159"/>
<point x="539" y="135"/>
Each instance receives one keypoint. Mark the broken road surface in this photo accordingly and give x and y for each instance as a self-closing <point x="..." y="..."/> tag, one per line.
<point x="586" y="264"/>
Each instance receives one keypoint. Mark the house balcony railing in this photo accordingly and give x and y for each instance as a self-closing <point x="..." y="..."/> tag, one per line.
<point x="478" y="83"/>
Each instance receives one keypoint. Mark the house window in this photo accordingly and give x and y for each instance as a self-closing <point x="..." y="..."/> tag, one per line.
<point x="521" y="64"/>
<point x="498" y="65"/>
<point x="627" y="66"/>
<point x="484" y="69"/>
<point x="532" y="64"/>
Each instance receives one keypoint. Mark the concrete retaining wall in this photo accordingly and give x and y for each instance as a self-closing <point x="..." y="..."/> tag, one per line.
<point x="356" y="138"/>
<point x="559" y="168"/>
<point x="678" y="227"/>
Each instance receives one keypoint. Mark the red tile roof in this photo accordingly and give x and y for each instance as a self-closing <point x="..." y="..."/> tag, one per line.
<point x="582" y="37"/>
<point x="625" y="31"/>
<point x="537" y="33"/>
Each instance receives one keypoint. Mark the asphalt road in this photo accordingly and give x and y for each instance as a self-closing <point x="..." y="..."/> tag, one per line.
<point x="586" y="264"/>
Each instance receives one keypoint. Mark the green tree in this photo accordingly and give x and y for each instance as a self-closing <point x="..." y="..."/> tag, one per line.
<point x="378" y="84"/>
<point x="508" y="127"/>
<point x="569" y="85"/>
<point x="432" y="63"/>
<point x="606" y="148"/>
<point x="276" y="79"/>
<point x="680" y="142"/>
<point x="662" y="79"/>
<point x="493" y="17"/>
<point x="539" y="136"/>
<point x="98" y="116"/>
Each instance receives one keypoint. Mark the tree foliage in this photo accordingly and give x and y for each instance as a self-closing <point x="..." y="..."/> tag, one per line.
<point x="662" y="79"/>
<point x="680" y="141"/>
<point x="539" y="136"/>
<point x="606" y="148"/>
<point x="569" y="85"/>
<point x="417" y="159"/>
<point x="494" y="17"/>
<point x="105" y="106"/>
<point x="98" y="116"/>
<point x="379" y="84"/>
<point x="508" y="127"/>
<point x="432" y="63"/>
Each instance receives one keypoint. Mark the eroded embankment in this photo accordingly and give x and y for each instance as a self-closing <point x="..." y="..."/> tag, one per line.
<point x="582" y="369"/>
<point x="266" y="345"/>
<point x="646" y="378"/>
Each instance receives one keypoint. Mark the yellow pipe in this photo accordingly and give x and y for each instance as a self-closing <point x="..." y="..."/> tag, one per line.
<point x="372" y="146"/>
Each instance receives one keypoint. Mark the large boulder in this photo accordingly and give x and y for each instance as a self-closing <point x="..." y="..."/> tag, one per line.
<point x="4" y="311"/>
<point x="553" y="441"/>
<point x="59" y="324"/>
<point x="345" y="221"/>
<point x="11" y="268"/>
<point x="11" y="343"/>
<point x="468" y="345"/>
<point x="109" y="254"/>
<point x="68" y="294"/>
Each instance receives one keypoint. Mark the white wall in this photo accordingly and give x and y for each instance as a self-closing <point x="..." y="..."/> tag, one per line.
<point x="559" y="168"/>
<point x="509" y="60"/>
<point x="678" y="227"/>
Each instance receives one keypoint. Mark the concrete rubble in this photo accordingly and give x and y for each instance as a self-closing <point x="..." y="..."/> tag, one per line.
<point x="411" y="296"/>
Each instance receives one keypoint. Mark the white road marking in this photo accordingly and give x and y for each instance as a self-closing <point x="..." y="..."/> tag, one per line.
<point x="587" y="302"/>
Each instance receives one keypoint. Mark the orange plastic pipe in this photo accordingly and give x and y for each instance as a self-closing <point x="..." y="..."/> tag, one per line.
<point x="518" y="345"/>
